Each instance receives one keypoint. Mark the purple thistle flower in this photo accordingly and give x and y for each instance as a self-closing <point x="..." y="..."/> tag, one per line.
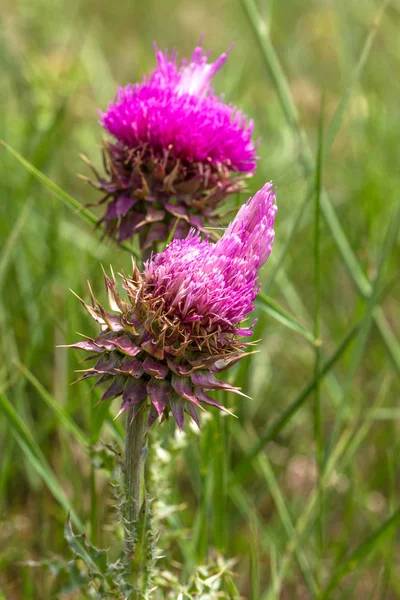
<point x="180" y="323"/>
<point x="175" y="107"/>
<point x="179" y="150"/>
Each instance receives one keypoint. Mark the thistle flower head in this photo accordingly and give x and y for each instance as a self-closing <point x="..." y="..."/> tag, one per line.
<point x="178" y="150"/>
<point x="221" y="291"/>
<point x="179" y="323"/>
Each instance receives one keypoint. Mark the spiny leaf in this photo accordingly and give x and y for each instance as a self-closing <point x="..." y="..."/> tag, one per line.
<point x="94" y="559"/>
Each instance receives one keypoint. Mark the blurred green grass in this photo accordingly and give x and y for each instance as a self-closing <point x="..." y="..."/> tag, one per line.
<point x="250" y="488"/>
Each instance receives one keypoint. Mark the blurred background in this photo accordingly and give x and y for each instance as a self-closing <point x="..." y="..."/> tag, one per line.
<point x="244" y="489"/>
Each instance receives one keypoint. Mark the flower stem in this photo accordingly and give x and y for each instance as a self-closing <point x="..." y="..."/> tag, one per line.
<point x="135" y="430"/>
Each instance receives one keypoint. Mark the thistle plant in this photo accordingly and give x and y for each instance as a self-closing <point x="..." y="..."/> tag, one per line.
<point x="177" y="150"/>
<point x="177" y="325"/>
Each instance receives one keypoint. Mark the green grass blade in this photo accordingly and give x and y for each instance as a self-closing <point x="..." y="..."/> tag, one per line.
<point x="349" y="258"/>
<point x="285" y="96"/>
<point x="363" y="551"/>
<point x="7" y="465"/>
<point x="220" y="468"/>
<point x="71" y="202"/>
<point x="337" y="118"/>
<point x="307" y="515"/>
<point x="283" y="419"/>
<point x="286" y="519"/>
<point x="279" y="314"/>
<point x="62" y="416"/>
<point x="391" y="342"/>
<point x="255" y="558"/>
<point x="289" y="108"/>
<point x="317" y="409"/>
<point x="298" y="214"/>
<point x="277" y="426"/>
<point x="341" y="456"/>
<point x="34" y="455"/>
<point x="365" y="325"/>
<point x="10" y="243"/>
<point x="59" y="193"/>
<point x="334" y="125"/>
<point x="201" y="533"/>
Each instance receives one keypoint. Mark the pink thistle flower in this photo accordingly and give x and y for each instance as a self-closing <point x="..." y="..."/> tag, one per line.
<point x="179" y="150"/>
<point x="180" y="323"/>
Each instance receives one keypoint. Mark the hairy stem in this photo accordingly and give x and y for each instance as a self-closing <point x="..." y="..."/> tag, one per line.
<point x="135" y="430"/>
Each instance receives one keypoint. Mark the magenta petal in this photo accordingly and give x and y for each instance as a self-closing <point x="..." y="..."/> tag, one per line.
<point x="174" y="108"/>
<point x="177" y="405"/>
<point x="125" y="345"/>
<point x="244" y="332"/>
<point x="158" y="392"/>
<point x="216" y="283"/>
<point x="134" y="392"/>
<point x="154" y="368"/>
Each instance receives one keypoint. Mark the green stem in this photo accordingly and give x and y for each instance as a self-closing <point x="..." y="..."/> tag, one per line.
<point x="94" y="521"/>
<point x="135" y="430"/>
